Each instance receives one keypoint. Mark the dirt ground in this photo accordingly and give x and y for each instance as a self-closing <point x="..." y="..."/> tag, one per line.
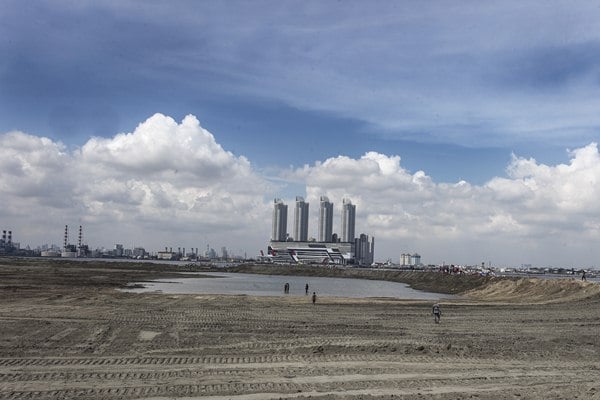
<point x="66" y="333"/>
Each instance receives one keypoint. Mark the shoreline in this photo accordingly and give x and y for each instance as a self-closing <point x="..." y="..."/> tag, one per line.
<point x="272" y="285"/>
<point x="29" y="273"/>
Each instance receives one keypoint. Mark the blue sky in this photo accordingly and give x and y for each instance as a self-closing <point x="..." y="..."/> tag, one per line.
<point x="455" y="89"/>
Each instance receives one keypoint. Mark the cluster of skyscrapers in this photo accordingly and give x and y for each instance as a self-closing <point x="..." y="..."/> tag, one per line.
<point x="325" y="233"/>
<point x="328" y="247"/>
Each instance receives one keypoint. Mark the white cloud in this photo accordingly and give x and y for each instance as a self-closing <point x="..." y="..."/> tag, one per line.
<point x="172" y="172"/>
<point x="536" y="209"/>
<point x="165" y="183"/>
<point x="172" y="184"/>
<point x="33" y="170"/>
<point x="161" y="147"/>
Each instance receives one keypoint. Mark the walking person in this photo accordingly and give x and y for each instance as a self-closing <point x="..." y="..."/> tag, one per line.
<point x="306" y="289"/>
<point x="314" y="298"/>
<point x="437" y="313"/>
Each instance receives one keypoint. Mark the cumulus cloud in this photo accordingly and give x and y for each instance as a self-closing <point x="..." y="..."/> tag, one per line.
<point x="160" y="145"/>
<point x="536" y="209"/>
<point x="160" y="183"/>
<point x="171" y="184"/>
<point x="177" y="173"/>
<point x="33" y="170"/>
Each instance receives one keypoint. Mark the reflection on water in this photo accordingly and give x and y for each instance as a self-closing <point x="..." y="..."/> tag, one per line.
<point x="272" y="285"/>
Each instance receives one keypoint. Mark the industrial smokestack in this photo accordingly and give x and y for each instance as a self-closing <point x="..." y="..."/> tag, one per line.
<point x="3" y="238"/>
<point x="80" y="236"/>
<point x="66" y="241"/>
<point x="9" y="242"/>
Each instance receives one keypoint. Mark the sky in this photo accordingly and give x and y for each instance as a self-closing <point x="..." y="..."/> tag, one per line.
<point x="465" y="131"/>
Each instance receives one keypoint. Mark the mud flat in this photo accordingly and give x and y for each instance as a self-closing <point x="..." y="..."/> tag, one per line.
<point x="66" y="333"/>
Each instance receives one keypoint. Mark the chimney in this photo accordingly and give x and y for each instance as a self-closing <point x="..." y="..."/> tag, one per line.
<point x="66" y="241"/>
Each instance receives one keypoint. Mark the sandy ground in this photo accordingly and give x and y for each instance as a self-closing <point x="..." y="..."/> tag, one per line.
<point x="64" y="335"/>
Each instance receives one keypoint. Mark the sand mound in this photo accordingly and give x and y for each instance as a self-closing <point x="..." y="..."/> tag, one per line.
<point x="535" y="290"/>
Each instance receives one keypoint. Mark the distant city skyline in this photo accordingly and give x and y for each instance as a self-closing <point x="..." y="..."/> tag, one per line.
<point x="466" y="132"/>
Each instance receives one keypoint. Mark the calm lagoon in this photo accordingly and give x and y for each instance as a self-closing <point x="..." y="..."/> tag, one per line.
<point x="272" y="285"/>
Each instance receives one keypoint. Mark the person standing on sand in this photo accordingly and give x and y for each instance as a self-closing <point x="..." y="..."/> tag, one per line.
<point x="437" y="313"/>
<point x="314" y="297"/>
<point x="306" y="289"/>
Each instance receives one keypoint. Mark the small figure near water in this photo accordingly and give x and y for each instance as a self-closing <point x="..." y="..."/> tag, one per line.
<point x="314" y="297"/>
<point x="437" y="313"/>
<point x="286" y="288"/>
<point x="583" y="278"/>
<point x="306" y="289"/>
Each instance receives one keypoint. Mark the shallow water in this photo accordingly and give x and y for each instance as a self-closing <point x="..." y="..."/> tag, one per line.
<point x="272" y="285"/>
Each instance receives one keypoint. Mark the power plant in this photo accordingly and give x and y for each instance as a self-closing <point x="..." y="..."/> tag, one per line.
<point x="68" y="250"/>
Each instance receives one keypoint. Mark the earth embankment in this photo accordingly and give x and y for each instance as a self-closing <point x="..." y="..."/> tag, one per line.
<point x="535" y="290"/>
<point x="429" y="281"/>
<point x="470" y="286"/>
<point x="30" y="274"/>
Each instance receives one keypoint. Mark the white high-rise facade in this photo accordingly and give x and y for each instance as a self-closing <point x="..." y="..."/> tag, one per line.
<point x="325" y="220"/>
<point x="301" y="220"/>
<point x="279" y="232"/>
<point x="348" y="218"/>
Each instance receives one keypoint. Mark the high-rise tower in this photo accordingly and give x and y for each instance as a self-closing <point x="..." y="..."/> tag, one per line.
<point x="301" y="220"/>
<point x="364" y="250"/>
<point x="348" y="218"/>
<point x="325" y="220"/>
<point x="279" y="232"/>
